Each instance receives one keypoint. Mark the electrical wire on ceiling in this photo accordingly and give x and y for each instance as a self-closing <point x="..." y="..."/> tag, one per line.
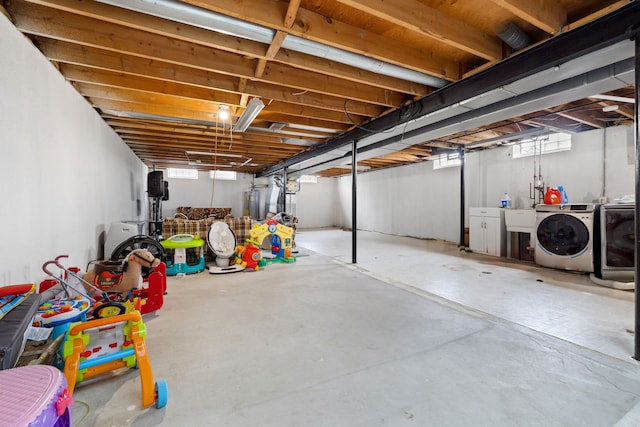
<point x="406" y="113"/>
<point x="215" y="162"/>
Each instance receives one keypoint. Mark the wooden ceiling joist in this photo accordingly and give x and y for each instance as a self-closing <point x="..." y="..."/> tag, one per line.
<point x="159" y="83"/>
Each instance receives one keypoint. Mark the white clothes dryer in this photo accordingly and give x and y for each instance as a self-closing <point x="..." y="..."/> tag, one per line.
<point x="564" y="236"/>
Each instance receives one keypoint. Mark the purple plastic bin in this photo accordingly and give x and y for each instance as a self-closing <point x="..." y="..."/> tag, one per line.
<point x="34" y="396"/>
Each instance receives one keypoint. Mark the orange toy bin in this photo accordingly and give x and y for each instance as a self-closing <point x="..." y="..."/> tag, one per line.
<point x="103" y="345"/>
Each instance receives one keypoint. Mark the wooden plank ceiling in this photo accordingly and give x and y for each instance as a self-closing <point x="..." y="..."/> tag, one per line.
<point x="161" y="83"/>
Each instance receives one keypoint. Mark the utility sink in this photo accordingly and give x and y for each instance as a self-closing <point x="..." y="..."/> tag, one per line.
<point x="520" y="220"/>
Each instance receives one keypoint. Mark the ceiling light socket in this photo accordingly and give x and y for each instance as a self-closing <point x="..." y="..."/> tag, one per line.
<point x="223" y="112"/>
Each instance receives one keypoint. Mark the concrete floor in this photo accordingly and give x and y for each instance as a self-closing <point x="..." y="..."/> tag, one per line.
<point x="416" y="333"/>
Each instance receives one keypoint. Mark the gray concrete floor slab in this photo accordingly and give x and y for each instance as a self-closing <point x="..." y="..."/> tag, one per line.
<point x="395" y="340"/>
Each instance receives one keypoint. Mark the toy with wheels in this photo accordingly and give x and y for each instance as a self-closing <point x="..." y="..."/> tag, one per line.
<point x="110" y="276"/>
<point x="281" y="239"/>
<point x="154" y="278"/>
<point x="147" y="296"/>
<point x="153" y="290"/>
<point x="185" y="262"/>
<point x="59" y="311"/>
<point x="103" y="345"/>
<point x="249" y="256"/>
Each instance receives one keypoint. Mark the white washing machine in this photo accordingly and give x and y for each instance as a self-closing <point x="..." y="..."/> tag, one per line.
<point x="564" y="236"/>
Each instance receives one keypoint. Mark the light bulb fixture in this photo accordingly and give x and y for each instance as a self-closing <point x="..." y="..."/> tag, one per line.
<point x="223" y="112"/>
<point x="614" y="98"/>
<point x="253" y="108"/>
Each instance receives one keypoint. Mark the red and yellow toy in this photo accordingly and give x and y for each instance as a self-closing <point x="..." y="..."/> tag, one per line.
<point x="249" y="256"/>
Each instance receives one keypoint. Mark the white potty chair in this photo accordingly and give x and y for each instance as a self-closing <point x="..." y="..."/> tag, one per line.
<point x="222" y="242"/>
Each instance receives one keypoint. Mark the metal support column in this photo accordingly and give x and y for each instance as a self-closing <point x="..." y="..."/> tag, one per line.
<point x="354" y="187"/>
<point x="461" y="154"/>
<point x="284" y="189"/>
<point x="636" y="138"/>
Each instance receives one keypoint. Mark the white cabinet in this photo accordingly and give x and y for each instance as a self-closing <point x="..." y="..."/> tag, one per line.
<point x="486" y="231"/>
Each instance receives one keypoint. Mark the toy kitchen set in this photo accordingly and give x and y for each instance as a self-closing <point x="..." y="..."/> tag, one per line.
<point x="594" y="238"/>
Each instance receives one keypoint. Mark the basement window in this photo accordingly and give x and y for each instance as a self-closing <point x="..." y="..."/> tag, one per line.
<point x="308" y="179"/>
<point x="446" y="160"/>
<point x="223" y="175"/>
<point x="182" y="173"/>
<point x="552" y="143"/>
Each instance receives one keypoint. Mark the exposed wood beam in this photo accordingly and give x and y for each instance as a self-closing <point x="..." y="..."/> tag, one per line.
<point x="275" y="45"/>
<point x="91" y="90"/>
<point x="63" y="26"/>
<point x="595" y="15"/>
<point x="310" y="112"/>
<point x="581" y="119"/>
<point x="626" y="112"/>
<point x="316" y="27"/>
<point x="150" y="98"/>
<point x="547" y="15"/>
<point x="416" y="16"/>
<point x="273" y="49"/>
<point x="77" y="73"/>
<point x="154" y="109"/>
<point x="262" y="148"/>
<point x="311" y="63"/>
<point x="114" y="64"/>
<point x="242" y="88"/>
<point x="292" y="11"/>
<point x="228" y="43"/>
<point x="256" y="147"/>
<point x="284" y="118"/>
<point x="260" y="66"/>
<point x="148" y="23"/>
<point x="124" y="125"/>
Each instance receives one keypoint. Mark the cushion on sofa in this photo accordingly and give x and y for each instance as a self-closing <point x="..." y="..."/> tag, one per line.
<point x="203" y="213"/>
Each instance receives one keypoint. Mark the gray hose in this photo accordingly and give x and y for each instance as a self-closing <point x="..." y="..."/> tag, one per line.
<point x="625" y="286"/>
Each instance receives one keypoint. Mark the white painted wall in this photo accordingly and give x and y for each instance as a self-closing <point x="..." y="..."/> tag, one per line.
<point x="412" y="200"/>
<point x="65" y="174"/>
<point x="600" y="163"/>
<point x="421" y="202"/>
<point x="206" y="192"/>
<point x="316" y="204"/>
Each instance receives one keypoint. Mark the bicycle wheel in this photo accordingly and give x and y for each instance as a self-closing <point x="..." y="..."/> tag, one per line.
<point x="139" y="242"/>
